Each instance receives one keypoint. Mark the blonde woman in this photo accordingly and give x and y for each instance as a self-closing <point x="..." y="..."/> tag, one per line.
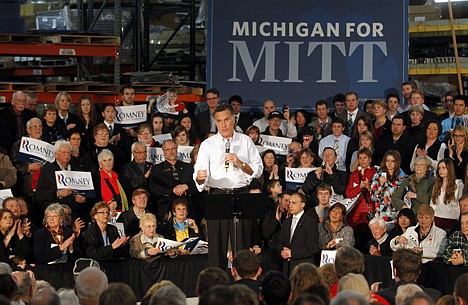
<point x="458" y="150"/>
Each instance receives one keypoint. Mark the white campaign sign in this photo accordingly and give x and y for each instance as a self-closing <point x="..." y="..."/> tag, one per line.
<point x="160" y="138"/>
<point x="156" y="155"/>
<point x="5" y="194"/>
<point x="297" y="175"/>
<point x="130" y="115"/>
<point x="32" y="150"/>
<point x="80" y="181"/>
<point x="279" y="144"/>
<point x="327" y="257"/>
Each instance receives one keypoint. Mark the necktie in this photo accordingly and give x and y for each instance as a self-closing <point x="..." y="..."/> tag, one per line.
<point x="336" y="149"/>
<point x="322" y="130"/>
<point x="237" y="118"/>
<point x="349" y="126"/>
<point x="175" y="174"/>
<point x="293" y="226"/>
<point x="458" y="122"/>
<point x="111" y="130"/>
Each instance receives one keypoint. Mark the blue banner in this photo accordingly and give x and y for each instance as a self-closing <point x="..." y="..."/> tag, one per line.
<point x="297" y="52"/>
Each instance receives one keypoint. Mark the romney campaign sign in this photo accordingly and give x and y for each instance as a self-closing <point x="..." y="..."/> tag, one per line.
<point x="296" y="52"/>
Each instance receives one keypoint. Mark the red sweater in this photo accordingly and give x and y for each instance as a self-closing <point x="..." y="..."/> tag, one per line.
<point x="358" y="215"/>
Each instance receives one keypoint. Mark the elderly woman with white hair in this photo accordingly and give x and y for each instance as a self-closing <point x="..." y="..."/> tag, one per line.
<point x="109" y="186"/>
<point x="55" y="243"/>
<point x="47" y="192"/>
<point x="416" y="189"/>
<point x="143" y="245"/>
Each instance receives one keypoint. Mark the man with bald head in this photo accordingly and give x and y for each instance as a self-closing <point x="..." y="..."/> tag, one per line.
<point x="14" y="120"/>
<point x="90" y="284"/>
<point x="286" y="127"/>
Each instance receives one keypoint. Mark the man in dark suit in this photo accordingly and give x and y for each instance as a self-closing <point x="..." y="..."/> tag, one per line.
<point x="47" y="192"/>
<point x="136" y="173"/>
<point x="406" y="269"/>
<point x="298" y="242"/>
<point x="171" y="179"/>
<point x="243" y="120"/>
<point x="204" y="120"/>
<point x="352" y="112"/>
<point x="398" y="141"/>
<point x="14" y="119"/>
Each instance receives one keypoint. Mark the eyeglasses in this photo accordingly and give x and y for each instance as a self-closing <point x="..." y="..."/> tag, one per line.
<point x="53" y="216"/>
<point x="145" y="133"/>
<point x="140" y="152"/>
<point x="106" y="213"/>
<point x="169" y="149"/>
<point x="102" y="133"/>
<point x="36" y="127"/>
<point x="211" y="98"/>
<point x="458" y="136"/>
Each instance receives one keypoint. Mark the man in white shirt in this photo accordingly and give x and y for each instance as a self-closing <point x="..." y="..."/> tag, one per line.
<point x="227" y="162"/>
<point x="286" y="127"/>
<point x="338" y="141"/>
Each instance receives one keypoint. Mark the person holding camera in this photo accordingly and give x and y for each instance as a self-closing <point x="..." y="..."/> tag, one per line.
<point x="179" y="226"/>
<point x="363" y="210"/>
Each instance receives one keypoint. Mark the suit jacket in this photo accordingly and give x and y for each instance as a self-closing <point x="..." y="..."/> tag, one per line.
<point x="344" y="115"/>
<point x="46" y="191"/>
<point x="45" y="253"/>
<point x="9" y="126"/>
<point x="389" y="293"/>
<point x="133" y="177"/>
<point x="303" y="244"/>
<point x="93" y="243"/>
<point x="162" y="181"/>
<point x="244" y="121"/>
<point x="203" y="123"/>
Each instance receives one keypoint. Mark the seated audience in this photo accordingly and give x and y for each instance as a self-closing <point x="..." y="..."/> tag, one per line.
<point x="379" y="244"/>
<point x="306" y="278"/>
<point x="385" y="182"/>
<point x="416" y="189"/>
<point x="55" y="243"/>
<point x="275" y="289"/>
<point x="425" y="238"/>
<point x="445" y="195"/>
<point x="334" y="232"/>
<point x="179" y="226"/>
<point x="404" y="219"/>
<point x="456" y="252"/>
<point x="143" y="245"/>
<point x="102" y="240"/>
<point x="131" y="217"/>
<point x="407" y="266"/>
<point x="246" y="270"/>
<point x="13" y="241"/>
<point x="431" y="147"/>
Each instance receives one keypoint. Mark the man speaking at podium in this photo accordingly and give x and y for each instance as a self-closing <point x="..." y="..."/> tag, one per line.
<point x="227" y="162"/>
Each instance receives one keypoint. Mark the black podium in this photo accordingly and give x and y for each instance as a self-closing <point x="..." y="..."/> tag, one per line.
<point x="231" y="217"/>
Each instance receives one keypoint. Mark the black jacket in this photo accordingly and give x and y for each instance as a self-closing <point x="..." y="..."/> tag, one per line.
<point x="338" y="180"/>
<point x="405" y="145"/>
<point x="93" y="243"/>
<point x="133" y="177"/>
<point x="10" y="127"/>
<point x="45" y="253"/>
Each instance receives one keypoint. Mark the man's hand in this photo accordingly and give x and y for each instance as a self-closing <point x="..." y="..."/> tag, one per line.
<point x="286" y="253"/>
<point x="374" y="251"/>
<point x="34" y="166"/>
<point x="180" y="189"/>
<point x="64" y="193"/>
<point x="202" y="174"/>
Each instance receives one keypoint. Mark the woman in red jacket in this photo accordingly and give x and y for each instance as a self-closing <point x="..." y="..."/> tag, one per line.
<point x="358" y="187"/>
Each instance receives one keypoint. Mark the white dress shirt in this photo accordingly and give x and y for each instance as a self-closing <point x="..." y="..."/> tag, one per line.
<point x="211" y="158"/>
<point x="329" y="141"/>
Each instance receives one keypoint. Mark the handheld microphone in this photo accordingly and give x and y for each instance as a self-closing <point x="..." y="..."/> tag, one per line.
<point x="227" y="147"/>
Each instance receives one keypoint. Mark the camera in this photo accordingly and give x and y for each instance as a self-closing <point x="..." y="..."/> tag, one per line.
<point x="285" y="107"/>
<point x="291" y="152"/>
<point x="306" y="138"/>
<point x="338" y="240"/>
<point x="324" y="165"/>
<point x="370" y="215"/>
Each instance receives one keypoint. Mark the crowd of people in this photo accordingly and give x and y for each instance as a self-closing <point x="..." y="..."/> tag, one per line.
<point x="388" y="177"/>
